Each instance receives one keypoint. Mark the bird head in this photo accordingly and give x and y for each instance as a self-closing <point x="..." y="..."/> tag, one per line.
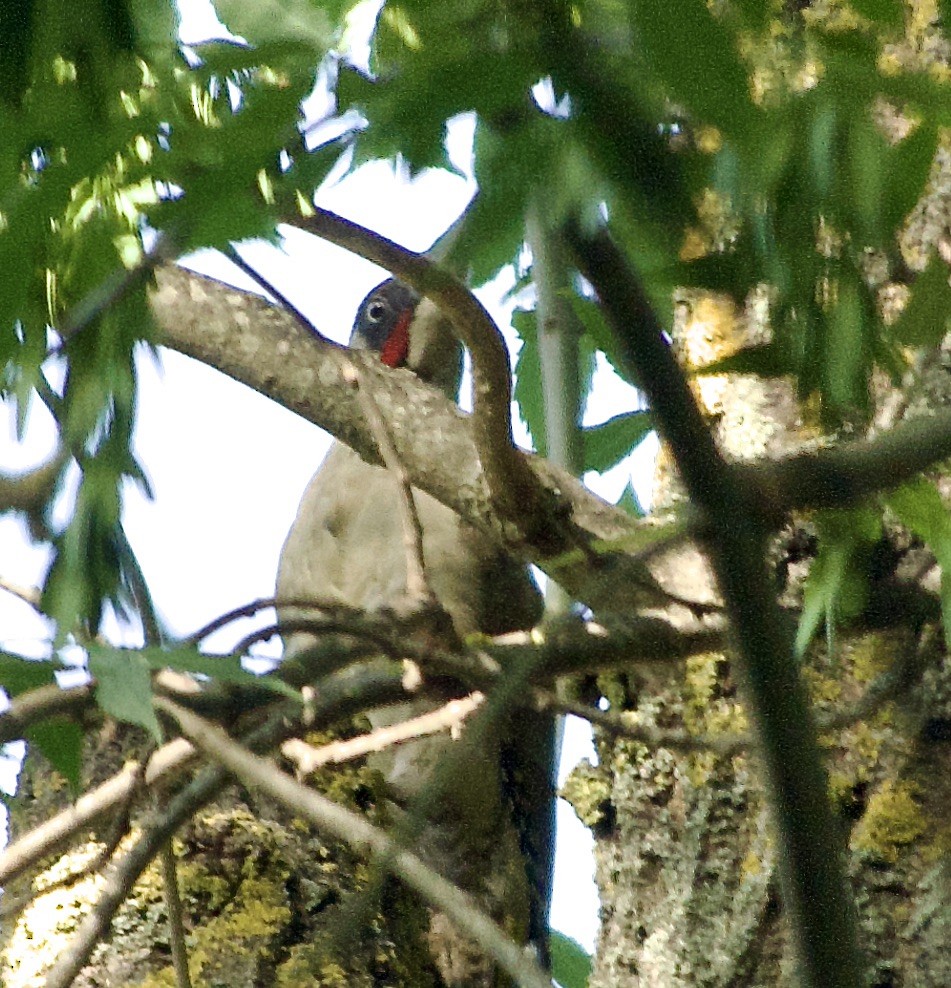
<point x="407" y="330"/>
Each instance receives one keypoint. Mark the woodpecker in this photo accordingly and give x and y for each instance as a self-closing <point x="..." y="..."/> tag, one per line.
<point x="346" y="545"/>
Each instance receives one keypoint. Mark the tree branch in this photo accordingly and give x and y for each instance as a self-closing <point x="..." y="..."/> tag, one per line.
<point x="417" y="584"/>
<point x="347" y="826"/>
<point x="38" y="704"/>
<point x="516" y="490"/>
<point x="251" y="341"/>
<point x="846" y="474"/>
<point x="341" y="695"/>
<point x="816" y="893"/>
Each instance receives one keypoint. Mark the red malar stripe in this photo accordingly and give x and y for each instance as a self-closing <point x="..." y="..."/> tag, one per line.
<point x="396" y="348"/>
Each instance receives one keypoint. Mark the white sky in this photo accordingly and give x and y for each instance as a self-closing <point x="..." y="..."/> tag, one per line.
<point x="228" y="467"/>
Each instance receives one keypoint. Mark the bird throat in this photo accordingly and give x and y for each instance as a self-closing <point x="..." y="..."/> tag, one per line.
<point x="396" y="348"/>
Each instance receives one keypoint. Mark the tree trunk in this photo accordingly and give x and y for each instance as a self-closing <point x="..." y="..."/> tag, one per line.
<point x="685" y="853"/>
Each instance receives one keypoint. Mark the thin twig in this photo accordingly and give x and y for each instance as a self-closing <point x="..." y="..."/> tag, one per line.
<point x="345" y="825"/>
<point x="449" y="717"/>
<point x="38" y="704"/>
<point x="49" y="836"/>
<point x="119" y="828"/>
<point x="268" y="286"/>
<point x="176" y="917"/>
<point x="156" y="832"/>
<point x="29" y="595"/>
<point x="31" y="491"/>
<point x="126" y="871"/>
<point x="417" y="585"/>
<point x="341" y="695"/>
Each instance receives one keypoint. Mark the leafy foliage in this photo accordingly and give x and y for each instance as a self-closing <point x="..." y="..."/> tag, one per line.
<point x="112" y="132"/>
<point x="570" y="964"/>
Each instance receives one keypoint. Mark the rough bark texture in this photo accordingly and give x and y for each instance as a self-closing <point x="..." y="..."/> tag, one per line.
<point x="267" y="900"/>
<point x="685" y="855"/>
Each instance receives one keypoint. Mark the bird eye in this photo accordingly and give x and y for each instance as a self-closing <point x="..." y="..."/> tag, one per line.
<point x="376" y="311"/>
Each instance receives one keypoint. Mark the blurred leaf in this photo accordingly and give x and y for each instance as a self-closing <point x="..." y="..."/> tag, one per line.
<point x="924" y="318"/>
<point x="18" y="674"/>
<point x="124" y="686"/>
<point x="847" y="358"/>
<point x="944" y="9"/>
<point x="837" y="586"/>
<point x="221" y="668"/>
<point x="492" y="228"/>
<point x="764" y="359"/>
<point x="591" y="316"/>
<point x="605" y="445"/>
<point x="60" y="740"/>
<point x="755" y="13"/>
<point x="630" y="502"/>
<point x="431" y="63"/>
<point x="920" y="507"/>
<point x="16" y="23"/>
<point x="570" y="963"/>
<point x="863" y="191"/>
<point x="695" y="56"/>
<point x="299" y="21"/>
<point x="908" y="166"/>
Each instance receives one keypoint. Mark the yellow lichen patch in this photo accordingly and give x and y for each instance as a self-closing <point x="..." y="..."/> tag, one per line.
<point x="588" y="791"/>
<point x="823" y="690"/>
<point x="257" y="914"/>
<point x="892" y="820"/>
<point x="870" y="657"/>
<point x="706" y="710"/>
<point x="751" y="865"/>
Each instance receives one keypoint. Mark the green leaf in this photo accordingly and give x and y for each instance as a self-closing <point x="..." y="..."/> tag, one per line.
<point x="846" y="362"/>
<point x="222" y="668"/>
<point x="18" y="674"/>
<point x="630" y="502"/>
<point x="695" y="55"/>
<point x="299" y="21"/>
<point x="944" y="9"/>
<point x="605" y="445"/>
<point x="764" y="359"/>
<point x="908" y="165"/>
<point x="492" y="228"/>
<point x="591" y="316"/>
<point x="837" y="586"/>
<point x="570" y="963"/>
<point x="862" y="193"/>
<point x="923" y="321"/>
<point x="920" y="507"/>
<point x="16" y="25"/>
<point x="124" y="686"/>
<point x="60" y="740"/>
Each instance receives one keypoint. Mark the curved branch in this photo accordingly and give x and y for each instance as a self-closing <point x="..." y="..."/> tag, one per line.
<point x="849" y="472"/>
<point x="513" y="487"/>
<point x="252" y="341"/>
